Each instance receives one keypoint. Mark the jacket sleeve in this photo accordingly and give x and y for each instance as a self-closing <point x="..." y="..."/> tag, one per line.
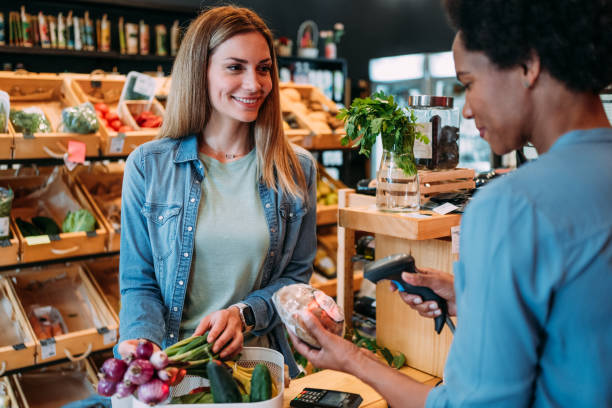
<point x="142" y="307"/>
<point x="299" y="268"/>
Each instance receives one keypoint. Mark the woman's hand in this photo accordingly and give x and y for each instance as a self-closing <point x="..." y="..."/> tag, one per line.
<point x="225" y="331"/>
<point x="441" y="283"/>
<point x="128" y="347"/>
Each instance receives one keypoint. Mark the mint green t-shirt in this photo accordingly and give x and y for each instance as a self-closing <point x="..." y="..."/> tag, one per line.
<point x="231" y="239"/>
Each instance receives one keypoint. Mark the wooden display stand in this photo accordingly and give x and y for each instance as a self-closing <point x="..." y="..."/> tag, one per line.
<point x="9" y="248"/>
<point x="51" y="94"/>
<point x="114" y="143"/>
<point x="398" y="326"/>
<point x="6" y="145"/>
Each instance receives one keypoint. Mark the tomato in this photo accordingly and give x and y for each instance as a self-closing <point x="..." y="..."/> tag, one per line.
<point x="125" y="128"/>
<point x="115" y="124"/>
<point x="110" y="116"/>
<point x="102" y="107"/>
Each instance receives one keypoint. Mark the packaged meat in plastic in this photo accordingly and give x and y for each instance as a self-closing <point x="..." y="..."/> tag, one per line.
<point x="296" y="299"/>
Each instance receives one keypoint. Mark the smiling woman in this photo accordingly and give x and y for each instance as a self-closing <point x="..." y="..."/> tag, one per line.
<point x="234" y="219"/>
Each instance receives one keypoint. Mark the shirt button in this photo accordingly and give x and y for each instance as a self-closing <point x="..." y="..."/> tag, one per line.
<point x="272" y="253"/>
<point x="161" y="217"/>
<point x="291" y="214"/>
<point x="189" y="228"/>
<point x="175" y="309"/>
<point x="268" y="205"/>
<point x="186" y="254"/>
<point x="171" y="335"/>
<point x="272" y="230"/>
<point x="181" y="282"/>
<point x="192" y="200"/>
<point x="197" y="181"/>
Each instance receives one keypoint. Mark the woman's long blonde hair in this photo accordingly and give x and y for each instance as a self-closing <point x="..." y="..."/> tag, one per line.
<point x="188" y="107"/>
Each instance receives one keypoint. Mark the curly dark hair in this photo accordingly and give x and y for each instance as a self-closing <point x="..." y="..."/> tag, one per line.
<point x="573" y="38"/>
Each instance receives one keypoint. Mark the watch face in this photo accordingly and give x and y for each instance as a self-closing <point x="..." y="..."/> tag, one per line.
<point x="249" y="316"/>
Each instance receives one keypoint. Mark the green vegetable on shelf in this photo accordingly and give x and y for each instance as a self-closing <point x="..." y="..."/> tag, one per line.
<point x="79" y="220"/>
<point x="27" y="229"/>
<point x="30" y="120"/>
<point x="2" y="119"/>
<point x="46" y="225"/>
<point x="80" y="119"/>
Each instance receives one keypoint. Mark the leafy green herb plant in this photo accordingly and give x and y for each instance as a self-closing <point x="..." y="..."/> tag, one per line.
<point x="366" y="118"/>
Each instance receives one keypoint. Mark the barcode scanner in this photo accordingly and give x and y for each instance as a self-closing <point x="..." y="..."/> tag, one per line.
<point x="391" y="267"/>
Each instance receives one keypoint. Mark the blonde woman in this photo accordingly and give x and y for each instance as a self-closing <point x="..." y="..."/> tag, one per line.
<point x="219" y="212"/>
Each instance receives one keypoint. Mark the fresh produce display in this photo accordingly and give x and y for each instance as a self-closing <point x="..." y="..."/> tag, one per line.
<point x="320" y="117"/>
<point x="46" y="321"/>
<point x="28" y="229"/>
<point x="108" y="197"/>
<point x="80" y="119"/>
<point x="147" y="375"/>
<point x="30" y="120"/>
<point x="2" y="118"/>
<point x="148" y="119"/>
<point x="46" y="225"/>
<point x="110" y="118"/>
<point x="79" y="220"/>
<point x="6" y="202"/>
<point x="326" y="193"/>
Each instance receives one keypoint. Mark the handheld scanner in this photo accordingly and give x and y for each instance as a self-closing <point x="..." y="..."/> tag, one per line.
<point x="391" y="267"/>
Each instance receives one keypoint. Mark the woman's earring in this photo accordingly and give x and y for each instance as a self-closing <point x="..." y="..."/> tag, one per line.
<point x="526" y="84"/>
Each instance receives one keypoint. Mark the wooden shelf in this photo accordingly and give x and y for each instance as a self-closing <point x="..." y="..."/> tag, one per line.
<point x="327" y="214"/>
<point x="9" y="49"/>
<point x="330" y="286"/>
<point x="399" y="225"/>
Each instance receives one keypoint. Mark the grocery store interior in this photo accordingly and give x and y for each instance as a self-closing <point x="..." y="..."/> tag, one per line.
<point x="86" y="82"/>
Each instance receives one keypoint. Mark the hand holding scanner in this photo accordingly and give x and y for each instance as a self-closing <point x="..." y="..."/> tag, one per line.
<point x="391" y="267"/>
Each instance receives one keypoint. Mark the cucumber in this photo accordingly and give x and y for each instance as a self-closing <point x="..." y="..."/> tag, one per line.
<point x="46" y="225"/>
<point x="261" y="384"/>
<point x="222" y="384"/>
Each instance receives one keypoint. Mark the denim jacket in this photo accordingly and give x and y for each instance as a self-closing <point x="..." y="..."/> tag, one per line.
<point x="159" y="209"/>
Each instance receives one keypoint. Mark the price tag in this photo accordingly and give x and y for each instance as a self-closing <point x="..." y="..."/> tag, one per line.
<point x="38" y="240"/>
<point x="145" y="85"/>
<point x="416" y="215"/>
<point x="4" y="226"/>
<point x="455" y="239"/>
<point x="307" y="142"/>
<point x="445" y="208"/>
<point x="108" y="336"/>
<point x="116" y="144"/>
<point x="76" y="151"/>
<point x="48" y="348"/>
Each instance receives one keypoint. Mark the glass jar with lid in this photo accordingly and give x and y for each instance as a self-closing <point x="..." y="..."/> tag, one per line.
<point x="439" y="121"/>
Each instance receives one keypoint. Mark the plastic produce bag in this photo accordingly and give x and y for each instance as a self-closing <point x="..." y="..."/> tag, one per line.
<point x="80" y="119"/>
<point x="293" y="300"/>
<point x="30" y="120"/>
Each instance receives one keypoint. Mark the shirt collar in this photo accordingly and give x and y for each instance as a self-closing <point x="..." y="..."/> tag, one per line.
<point x="188" y="149"/>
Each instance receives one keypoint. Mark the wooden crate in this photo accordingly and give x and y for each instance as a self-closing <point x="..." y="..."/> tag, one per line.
<point x="22" y="354"/>
<point x="114" y="143"/>
<point x="432" y="183"/>
<point x="321" y="136"/>
<point x="55" y="386"/>
<point x="6" y="143"/>
<point x="51" y="93"/>
<point x="104" y="274"/>
<point x="9" y="248"/>
<point x="90" y="324"/>
<point x="45" y="247"/>
<point x="90" y="180"/>
<point x="7" y="386"/>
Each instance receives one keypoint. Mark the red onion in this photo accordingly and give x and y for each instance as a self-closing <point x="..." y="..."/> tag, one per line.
<point x="153" y="392"/>
<point x="124" y="390"/>
<point x="139" y="372"/>
<point x="113" y="369"/>
<point x="144" y="349"/>
<point x="106" y="387"/>
<point x="159" y="359"/>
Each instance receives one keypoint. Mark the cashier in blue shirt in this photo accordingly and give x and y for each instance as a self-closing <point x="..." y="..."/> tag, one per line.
<point x="533" y="285"/>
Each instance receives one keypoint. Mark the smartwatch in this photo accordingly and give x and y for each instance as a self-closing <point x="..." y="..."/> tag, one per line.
<point x="247" y="316"/>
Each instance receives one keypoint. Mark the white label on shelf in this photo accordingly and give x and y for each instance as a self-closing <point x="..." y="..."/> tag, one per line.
<point x="38" y="240"/>
<point x="445" y="208"/>
<point x="116" y="144"/>
<point x="423" y="150"/>
<point x="145" y="85"/>
<point x="110" y="337"/>
<point x="47" y="348"/>
<point x="4" y="226"/>
<point x="416" y="215"/>
<point x="455" y="239"/>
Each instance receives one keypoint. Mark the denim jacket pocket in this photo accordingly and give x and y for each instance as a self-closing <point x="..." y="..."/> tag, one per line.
<point x="162" y="221"/>
<point x="291" y="213"/>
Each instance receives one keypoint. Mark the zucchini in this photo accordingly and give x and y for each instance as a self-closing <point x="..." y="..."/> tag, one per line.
<point x="46" y="225"/>
<point x="261" y="384"/>
<point x="222" y="384"/>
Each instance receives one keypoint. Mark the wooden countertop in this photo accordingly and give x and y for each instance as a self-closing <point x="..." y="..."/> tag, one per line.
<point x="336" y="380"/>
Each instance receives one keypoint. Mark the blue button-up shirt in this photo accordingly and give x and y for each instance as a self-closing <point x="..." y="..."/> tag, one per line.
<point x="160" y="199"/>
<point x="534" y="285"/>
